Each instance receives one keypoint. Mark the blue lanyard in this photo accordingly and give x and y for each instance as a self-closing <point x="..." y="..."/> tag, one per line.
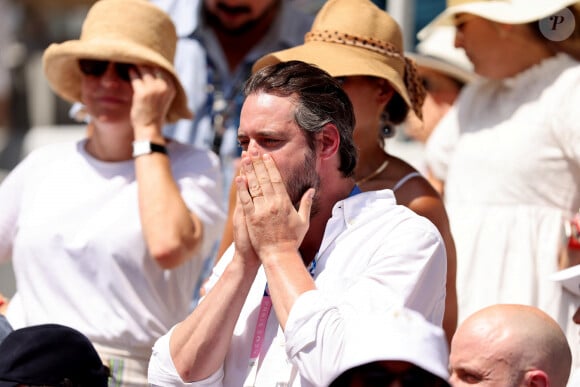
<point x="355" y="191"/>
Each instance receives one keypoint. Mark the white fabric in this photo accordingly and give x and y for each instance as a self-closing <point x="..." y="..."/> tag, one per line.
<point x="574" y="380"/>
<point x="375" y="255"/>
<point x="399" y="334"/>
<point x="71" y="224"/>
<point x="509" y="153"/>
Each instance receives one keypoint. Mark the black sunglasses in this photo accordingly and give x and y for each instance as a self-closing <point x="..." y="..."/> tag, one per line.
<point x="97" y="68"/>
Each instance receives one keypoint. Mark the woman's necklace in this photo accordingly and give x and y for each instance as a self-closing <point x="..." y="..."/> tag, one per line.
<point x="375" y="173"/>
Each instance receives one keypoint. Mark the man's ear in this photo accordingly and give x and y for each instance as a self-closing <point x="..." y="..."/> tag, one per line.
<point x="328" y="141"/>
<point x="536" y="378"/>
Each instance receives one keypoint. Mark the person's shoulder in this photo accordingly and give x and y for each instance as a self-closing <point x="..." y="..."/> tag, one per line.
<point x="377" y="204"/>
<point x="381" y="208"/>
<point x="295" y="23"/>
<point x="52" y="150"/>
<point x="181" y="152"/>
<point x="566" y="62"/>
<point x="476" y="89"/>
<point x="569" y="71"/>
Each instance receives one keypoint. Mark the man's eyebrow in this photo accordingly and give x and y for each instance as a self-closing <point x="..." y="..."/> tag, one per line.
<point x="264" y="133"/>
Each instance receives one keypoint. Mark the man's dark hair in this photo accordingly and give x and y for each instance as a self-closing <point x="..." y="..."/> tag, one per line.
<point x="321" y="101"/>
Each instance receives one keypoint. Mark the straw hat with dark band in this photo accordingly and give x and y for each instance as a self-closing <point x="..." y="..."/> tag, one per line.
<point x="130" y="31"/>
<point x="355" y="37"/>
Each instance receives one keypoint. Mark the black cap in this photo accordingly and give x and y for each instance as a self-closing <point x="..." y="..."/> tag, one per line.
<point x="50" y="355"/>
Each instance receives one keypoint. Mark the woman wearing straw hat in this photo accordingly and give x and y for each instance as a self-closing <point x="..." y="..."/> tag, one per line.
<point x="107" y="235"/>
<point x="509" y="154"/>
<point x="366" y="53"/>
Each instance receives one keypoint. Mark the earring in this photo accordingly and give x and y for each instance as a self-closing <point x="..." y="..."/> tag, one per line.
<point x="386" y="127"/>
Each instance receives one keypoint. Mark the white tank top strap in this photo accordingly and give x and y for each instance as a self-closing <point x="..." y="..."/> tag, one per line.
<point x="405" y="179"/>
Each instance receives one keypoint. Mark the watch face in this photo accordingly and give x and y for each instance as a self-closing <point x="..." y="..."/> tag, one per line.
<point x="141" y="148"/>
<point x="146" y="147"/>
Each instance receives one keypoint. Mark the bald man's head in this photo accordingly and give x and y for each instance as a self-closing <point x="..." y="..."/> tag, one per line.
<point x="509" y="345"/>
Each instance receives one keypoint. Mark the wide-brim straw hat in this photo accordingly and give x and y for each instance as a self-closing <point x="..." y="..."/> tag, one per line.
<point x="355" y="37"/>
<point x="501" y="11"/>
<point x="438" y="52"/>
<point x="130" y="31"/>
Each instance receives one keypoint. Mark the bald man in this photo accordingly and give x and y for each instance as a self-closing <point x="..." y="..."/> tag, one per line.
<point x="507" y="346"/>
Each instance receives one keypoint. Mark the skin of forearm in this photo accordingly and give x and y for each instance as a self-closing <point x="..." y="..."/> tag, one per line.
<point x="199" y="344"/>
<point x="171" y="231"/>
<point x="288" y="278"/>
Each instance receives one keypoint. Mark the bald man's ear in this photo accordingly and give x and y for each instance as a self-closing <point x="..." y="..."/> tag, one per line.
<point x="536" y="378"/>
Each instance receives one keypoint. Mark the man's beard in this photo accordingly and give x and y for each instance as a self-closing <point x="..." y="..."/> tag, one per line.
<point x="301" y="179"/>
<point x="241" y="29"/>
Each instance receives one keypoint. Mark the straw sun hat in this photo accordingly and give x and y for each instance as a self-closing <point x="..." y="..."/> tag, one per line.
<point x="501" y="11"/>
<point x="355" y="37"/>
<point x="130" y="31"/>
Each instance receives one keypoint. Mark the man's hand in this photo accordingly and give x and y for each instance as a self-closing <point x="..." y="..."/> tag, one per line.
<point x="273" y="224"/>
<point x="242" y="241"/>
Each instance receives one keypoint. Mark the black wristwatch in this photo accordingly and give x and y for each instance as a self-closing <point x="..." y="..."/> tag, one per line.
<point x="145" y="147"/>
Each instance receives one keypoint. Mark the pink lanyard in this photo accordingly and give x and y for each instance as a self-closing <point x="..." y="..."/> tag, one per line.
<point x="258" y="340"/>
<point x="260" y="330"/>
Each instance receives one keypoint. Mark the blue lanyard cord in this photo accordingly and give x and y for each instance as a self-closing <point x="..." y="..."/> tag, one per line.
<point x="311" y="270"/>
<point x="312" y="266"/>
<point x="355" y="191"/>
